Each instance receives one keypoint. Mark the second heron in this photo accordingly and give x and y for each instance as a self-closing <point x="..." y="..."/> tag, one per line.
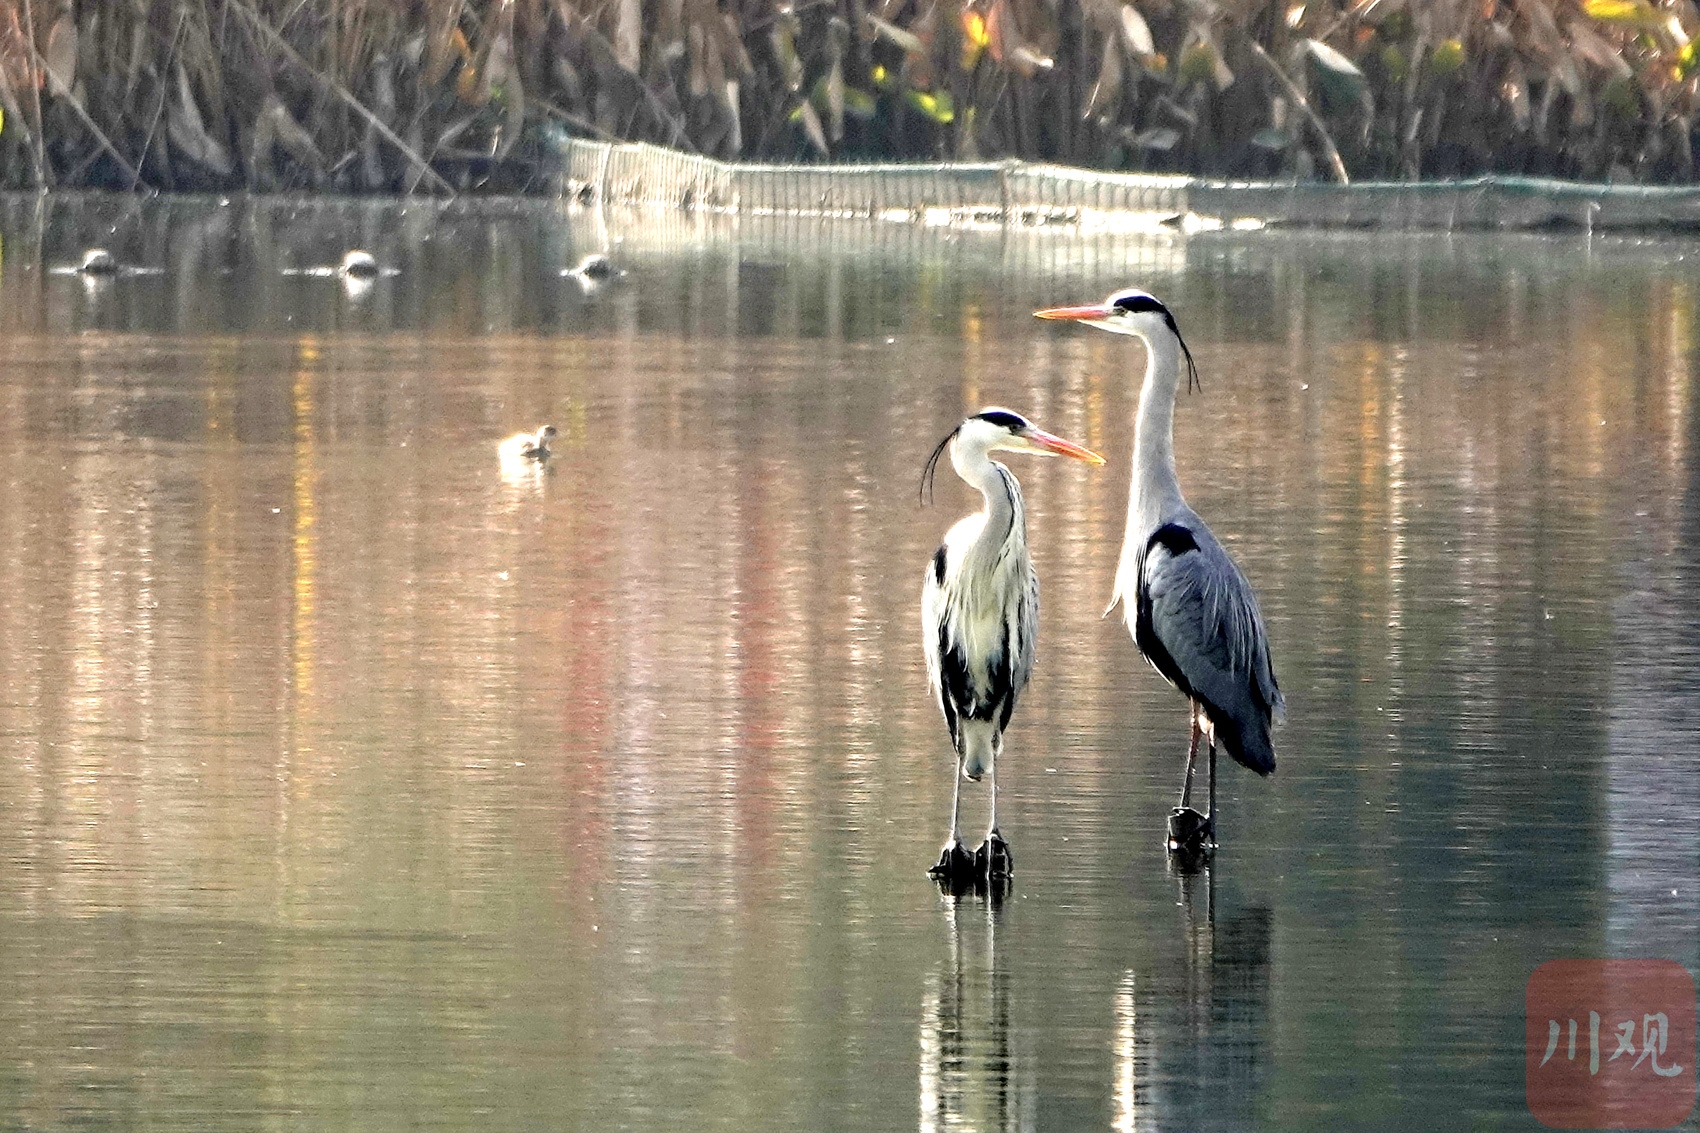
<point x="980" y="617"/>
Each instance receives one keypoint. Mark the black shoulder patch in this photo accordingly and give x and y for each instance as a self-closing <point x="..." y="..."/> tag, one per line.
<point x="1004" y="419"/>
<point x="939" y="560"/>
<point x="1175" y="539"/>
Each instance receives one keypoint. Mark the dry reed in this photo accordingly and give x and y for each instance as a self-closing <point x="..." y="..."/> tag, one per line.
<point x="387" y="96"/>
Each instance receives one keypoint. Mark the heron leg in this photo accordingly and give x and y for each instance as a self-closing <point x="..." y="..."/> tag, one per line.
<point x="1210" y="818"/>
<point x="956" y="804"/>
<point x="955" y="863"/>
<point x="1190" y="831"/>
<point x="1191" y="757"/>
<point x="993" y="859"/>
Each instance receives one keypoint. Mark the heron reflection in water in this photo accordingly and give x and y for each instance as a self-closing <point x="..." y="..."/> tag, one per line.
<point x="1191" y="1033"/>
<point x="973" y="1073"/>
<point x="1192" y="613"/>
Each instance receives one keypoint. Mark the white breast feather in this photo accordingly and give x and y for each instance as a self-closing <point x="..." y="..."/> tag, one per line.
<point x="980" y="614"/>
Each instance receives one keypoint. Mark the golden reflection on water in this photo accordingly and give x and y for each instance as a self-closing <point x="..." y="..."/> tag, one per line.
<point x="606" y="790"/>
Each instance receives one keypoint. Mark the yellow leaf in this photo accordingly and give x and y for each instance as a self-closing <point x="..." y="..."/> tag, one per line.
<point x="938" y="106"/>
<point x="1635" y="13"/>
<point x="974" y="27"/>
<point x="1447" y="58"/>
<point x="1686" y="60"/>
<point x="975" y="38"/>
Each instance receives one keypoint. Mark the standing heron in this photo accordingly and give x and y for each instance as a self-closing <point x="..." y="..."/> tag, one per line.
<point x="1193" y="614"/>
<point x="980" y="616"/>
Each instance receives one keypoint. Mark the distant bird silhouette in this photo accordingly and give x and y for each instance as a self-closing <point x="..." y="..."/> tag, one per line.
<point x="594" y="266"/>
<point x="359" y="264"/>
<point x="527" y="446"/>
<point x="1193" y="614"/>
<point x="98" y="261"/>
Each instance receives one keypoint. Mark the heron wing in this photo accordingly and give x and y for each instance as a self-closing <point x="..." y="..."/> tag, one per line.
<point x="979" y="645"/>
<point x="1022" y="641"/>
<point x="1198" y="623"/>
<point x="936" y="644"/>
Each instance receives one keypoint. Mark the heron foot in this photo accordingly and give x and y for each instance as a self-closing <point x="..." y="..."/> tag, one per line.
<point x="1190" y="831"/>
<point x="955" y="863"/>
<point x="994" y="859"/>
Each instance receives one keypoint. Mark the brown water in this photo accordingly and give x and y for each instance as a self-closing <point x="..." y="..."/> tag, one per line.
<point x="346" y="781"/>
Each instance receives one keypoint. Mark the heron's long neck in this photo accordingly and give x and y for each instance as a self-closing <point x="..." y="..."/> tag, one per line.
<point x="1003" y="503"/>
<point x="1156" y="492"/>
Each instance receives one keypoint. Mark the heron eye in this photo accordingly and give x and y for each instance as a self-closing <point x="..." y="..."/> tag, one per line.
<point x="1138" y="303"/>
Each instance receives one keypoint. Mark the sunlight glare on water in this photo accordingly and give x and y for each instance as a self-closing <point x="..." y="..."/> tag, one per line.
<point x="349" y="778"/>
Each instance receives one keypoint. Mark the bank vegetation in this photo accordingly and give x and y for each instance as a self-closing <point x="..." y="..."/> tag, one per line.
<point x="448" y="95"/>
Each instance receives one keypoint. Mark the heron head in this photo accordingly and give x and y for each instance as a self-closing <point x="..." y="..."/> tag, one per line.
<point x="1003" y="430"/>
<point x="1129" y="311"/>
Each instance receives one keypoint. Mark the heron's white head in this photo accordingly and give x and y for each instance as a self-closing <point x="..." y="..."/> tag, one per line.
<point x="994" y="429"/>
<point x="1129" y="311"/>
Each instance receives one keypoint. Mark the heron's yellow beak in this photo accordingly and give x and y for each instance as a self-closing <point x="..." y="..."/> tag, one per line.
<point x="1045" y="442"/>
<point x="1088" y="313"/>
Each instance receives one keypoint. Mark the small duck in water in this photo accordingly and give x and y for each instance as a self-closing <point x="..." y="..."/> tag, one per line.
<point x="593" y="272"/>
<point x="527" y="446"/>
<point x="99" y="265"/>
<point x="594" y="266"/>
<point x="98" y="261"/>
<point x="359" y="264"/>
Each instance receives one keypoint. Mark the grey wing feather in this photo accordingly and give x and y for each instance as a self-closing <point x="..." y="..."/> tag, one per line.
<point x="1205" y="615"/>
<point x="1027" y="620"/>
<point x="932" y="618"/>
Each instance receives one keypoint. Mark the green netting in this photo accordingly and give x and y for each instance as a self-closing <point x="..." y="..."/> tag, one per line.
<point x="1021" y="192"/>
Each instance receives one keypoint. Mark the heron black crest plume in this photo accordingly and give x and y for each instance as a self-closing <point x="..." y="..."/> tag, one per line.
<point x="1135" y="302"/>
<point x="1192" y="382"/>
<point x="931" y="469"/>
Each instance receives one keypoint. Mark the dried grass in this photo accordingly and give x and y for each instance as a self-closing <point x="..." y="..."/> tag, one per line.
<point x="377" y="95"/>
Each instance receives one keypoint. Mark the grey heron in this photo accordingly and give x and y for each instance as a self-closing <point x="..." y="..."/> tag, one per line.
<point x="1193" y="614"/>
<point x="980" y="616"/>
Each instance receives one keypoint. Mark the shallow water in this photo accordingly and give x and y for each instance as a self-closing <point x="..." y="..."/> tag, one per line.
<point x="348" y="779"/>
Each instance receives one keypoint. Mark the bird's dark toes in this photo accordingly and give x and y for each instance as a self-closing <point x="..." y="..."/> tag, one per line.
<point x="955" y="864"/>
<point x="1190" y="831"/>
<point x="994" y="859"/>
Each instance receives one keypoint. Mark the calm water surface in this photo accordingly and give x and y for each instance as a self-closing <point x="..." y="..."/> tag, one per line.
<point x="347" y="781"/>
